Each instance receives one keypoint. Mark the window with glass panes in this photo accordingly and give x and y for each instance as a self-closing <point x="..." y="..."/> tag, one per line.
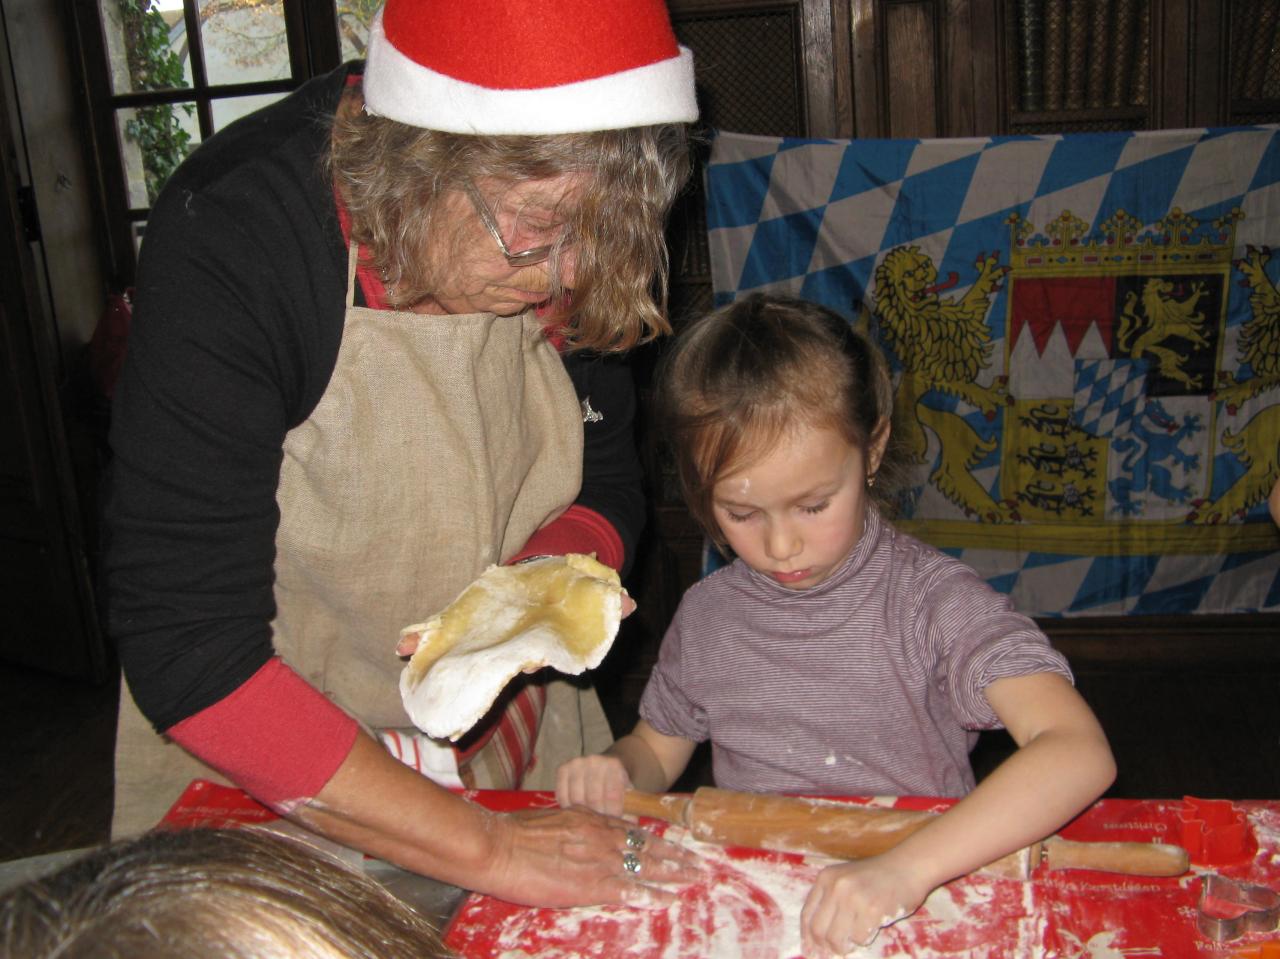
<point x="164" y="75"/>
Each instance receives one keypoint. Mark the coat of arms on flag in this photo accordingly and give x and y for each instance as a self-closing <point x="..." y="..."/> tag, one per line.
<point x="1085" y="338"/>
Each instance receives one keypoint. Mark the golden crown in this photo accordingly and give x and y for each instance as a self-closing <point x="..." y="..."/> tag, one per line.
<point x="1122" y="244"/>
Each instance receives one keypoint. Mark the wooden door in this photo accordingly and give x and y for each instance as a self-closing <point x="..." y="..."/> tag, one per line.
<point x="47" y="617"/>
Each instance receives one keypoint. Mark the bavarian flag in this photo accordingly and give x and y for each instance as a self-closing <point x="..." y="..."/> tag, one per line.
<point x="1084" y="332"/>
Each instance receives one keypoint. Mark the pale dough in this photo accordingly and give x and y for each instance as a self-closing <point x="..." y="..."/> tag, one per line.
<point x="558" y="611"/>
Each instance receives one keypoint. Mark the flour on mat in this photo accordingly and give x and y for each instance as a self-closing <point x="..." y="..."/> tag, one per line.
<point x="749" y="903"/>
<point x="1266" y="828"/>
<point x="749" y="908"/>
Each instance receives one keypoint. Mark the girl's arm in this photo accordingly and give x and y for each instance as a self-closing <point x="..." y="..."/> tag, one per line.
<point x="652" y="759"/>
<point x="644" y="759"/>
<point x="1062" y="764"/>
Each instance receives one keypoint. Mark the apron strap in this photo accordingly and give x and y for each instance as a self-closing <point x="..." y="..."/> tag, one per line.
<point x="353" y="260"/>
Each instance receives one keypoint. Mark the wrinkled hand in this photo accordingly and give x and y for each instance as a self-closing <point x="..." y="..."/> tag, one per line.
<point x="597" y="782"/>
<point x="573" y="857"/>
<point x="851" y="902"/>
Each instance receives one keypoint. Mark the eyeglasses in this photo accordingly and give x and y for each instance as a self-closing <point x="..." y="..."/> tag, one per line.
<point x="530" y="257"/>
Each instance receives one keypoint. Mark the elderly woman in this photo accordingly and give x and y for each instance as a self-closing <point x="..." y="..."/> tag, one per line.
<point x="374" y="351"/>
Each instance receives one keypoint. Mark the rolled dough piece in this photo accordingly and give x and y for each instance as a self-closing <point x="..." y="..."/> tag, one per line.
<point x="558" y="611"/>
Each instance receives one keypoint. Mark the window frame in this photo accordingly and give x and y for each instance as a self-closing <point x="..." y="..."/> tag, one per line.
<point x="311" y="30"/>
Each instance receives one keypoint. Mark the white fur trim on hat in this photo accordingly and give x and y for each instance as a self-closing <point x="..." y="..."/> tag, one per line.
<point x="400" y="89"/>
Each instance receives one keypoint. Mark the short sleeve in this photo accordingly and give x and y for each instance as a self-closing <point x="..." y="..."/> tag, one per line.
<point x="666" y="704"/>
<point x="980" y="638"/>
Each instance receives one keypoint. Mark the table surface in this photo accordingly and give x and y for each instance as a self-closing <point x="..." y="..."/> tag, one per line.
<point x="750" y="902"/>
<point x="748" y="905"/>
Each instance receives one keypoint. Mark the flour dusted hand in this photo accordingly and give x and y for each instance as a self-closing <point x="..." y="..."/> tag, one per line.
<point x="851" y="902"/>
<point x="557" y="611"/>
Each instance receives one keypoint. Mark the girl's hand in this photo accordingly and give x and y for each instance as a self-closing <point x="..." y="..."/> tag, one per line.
<point x="597" y="782"/>
<point x="851" y="902"/>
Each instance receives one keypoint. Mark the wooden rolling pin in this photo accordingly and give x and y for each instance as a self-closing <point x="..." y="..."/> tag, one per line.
<point x="847" y="831"/>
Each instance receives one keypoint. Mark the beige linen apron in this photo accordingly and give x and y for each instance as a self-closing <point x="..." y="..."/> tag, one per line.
<point x="440" y="445"/>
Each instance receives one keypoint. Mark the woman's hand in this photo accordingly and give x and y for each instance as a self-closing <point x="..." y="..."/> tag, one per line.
<point x="851" y="902"/>
<point x="597" y="782"/>
<point x="573" y="857"/>
<point x="547" y="857"/>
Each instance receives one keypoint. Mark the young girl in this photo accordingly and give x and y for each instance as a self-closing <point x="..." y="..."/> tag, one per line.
<point x="836" y="655"/>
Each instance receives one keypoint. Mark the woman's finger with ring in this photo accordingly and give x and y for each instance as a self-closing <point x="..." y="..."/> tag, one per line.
<point x="631" y="863"/>
<point x="635" y="839"/>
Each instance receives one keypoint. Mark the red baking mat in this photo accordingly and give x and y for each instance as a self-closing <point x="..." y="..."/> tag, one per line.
<point x="749" y="905"/>
<point x="205" y="803"/>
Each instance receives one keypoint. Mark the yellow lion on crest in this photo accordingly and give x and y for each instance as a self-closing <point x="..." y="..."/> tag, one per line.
<point x="943" y="344"/>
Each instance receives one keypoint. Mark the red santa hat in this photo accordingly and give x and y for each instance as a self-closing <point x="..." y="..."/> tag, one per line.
<point x="502" y="66"/>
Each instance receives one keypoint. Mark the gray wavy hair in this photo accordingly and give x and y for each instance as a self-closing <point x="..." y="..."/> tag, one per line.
<point x="393" y="177"/>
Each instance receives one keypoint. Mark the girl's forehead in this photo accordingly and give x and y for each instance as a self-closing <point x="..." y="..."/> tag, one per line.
<point x="788" y="429"/>
<point x="798" y="457"/>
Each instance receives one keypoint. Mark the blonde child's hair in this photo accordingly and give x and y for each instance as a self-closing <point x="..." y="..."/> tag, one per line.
<point x="740" y="378"/>
<point x="193" y="893"/>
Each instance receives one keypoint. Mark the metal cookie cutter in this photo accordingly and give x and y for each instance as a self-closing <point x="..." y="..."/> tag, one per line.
<point x="1229" y="908"/>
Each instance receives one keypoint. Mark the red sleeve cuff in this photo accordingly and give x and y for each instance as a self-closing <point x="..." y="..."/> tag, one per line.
<point x="576" y="530"/>
<point x="276" y="736"/>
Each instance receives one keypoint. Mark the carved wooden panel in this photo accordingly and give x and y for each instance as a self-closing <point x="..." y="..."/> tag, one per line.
<point x="910" y="39"/>
<point x="1253" y="62"/>
<point x="1080" y="65"/>
<point x="1076" y="65"/>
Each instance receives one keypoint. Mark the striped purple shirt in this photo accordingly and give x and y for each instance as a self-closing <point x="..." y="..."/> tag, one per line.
<point x="870" y="683"/>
